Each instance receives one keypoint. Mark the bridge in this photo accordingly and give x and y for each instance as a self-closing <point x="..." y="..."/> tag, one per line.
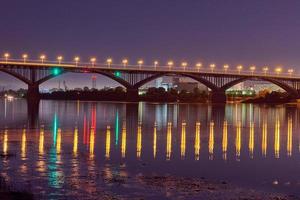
<point x="132" y="77"/>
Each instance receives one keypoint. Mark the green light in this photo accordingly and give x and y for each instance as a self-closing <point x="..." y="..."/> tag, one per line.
<point x="56" y="71"/>
<point x="118" y="74"/>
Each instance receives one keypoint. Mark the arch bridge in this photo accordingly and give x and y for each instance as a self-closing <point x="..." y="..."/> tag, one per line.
<point x="132" y="77"/>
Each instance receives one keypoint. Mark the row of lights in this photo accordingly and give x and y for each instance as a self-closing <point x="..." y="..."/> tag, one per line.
<point x="170" y="64"/>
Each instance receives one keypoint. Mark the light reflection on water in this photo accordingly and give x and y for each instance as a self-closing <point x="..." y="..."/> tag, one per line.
<point x="77" y="147"/>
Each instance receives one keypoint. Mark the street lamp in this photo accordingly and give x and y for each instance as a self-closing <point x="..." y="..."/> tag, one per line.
<point x="226" y="67"/>
<point x="6" y="56"/>
<point x="265" y="70"/>
<point x="109" y="61"/>
<point x="42" y="57"/>
<point x="124" y="62"/>
<point x="198" y="66"/>
<point x="278" y="70"/>
<point x="24" y="56"/>
<point x="76" y="59"/>
<point x="170" y="64"/>
<point x="59" y="59"/>
<point x="140" y="63"/>
<point x="93" y="61"/>
<point x="155" y="64"/>
<point x="290" y="71"/>
<point x="212" y="67"/>
<point x="252" y="69"/>
<point x="184" y="64"/>
<point x="239" y="68"/>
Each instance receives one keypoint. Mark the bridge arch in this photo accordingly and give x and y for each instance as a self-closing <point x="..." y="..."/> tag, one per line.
<point x="290" y="90"/>
<point x="205" y="82"/>
<point x="16" y="75"/>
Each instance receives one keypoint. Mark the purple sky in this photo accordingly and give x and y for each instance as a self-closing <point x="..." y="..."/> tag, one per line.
<point x="231" y="31"/>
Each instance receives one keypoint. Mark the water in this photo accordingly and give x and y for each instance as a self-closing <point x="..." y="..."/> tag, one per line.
<point x="83" y="149"/>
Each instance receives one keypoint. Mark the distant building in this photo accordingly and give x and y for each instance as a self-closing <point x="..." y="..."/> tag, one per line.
<point x="183" y="83"/>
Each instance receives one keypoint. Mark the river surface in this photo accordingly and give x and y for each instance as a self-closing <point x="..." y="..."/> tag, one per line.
<point x="82" y="149"/>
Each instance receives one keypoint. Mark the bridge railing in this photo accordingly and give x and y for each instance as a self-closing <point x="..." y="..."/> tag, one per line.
<point x="149" y="68"/>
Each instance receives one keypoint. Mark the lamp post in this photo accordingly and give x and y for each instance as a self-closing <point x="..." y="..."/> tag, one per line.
<point x="198" y="66"/>
<point x="239" y="68"/>
<point x="184" y="65"/>
<point x="155" y="64"/>
<point x="59" y="59"/>
<point x="109" y="61"/>
<point x="140" y="63"/>
<point x="252" y="69"/>
<point x="43" y="57"/>
<point x="93" y="61"/>
<point x="290" y="72"/>
<point x="278" y="70"/>
<point x="76" y="59"/>
<point x="24" y="56"/>
<point x="6" y="56"/>
<point x="226" y="67"/>
<point x="170" y="64"/>
<point x="265" y="70"/>
<point x="124" y="62"/>
<point x="212" y="67"/>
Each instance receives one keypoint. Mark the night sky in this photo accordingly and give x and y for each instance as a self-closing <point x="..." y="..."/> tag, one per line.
<point x="261" y="32"/>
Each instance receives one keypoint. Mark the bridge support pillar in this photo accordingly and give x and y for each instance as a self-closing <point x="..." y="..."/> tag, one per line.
<point x="218" y="96"/>
<point x="33" y="93"/>
<point x="132" y="94"/>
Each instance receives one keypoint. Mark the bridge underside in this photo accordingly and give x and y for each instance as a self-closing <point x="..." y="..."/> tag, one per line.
<point x="132" y="80"/>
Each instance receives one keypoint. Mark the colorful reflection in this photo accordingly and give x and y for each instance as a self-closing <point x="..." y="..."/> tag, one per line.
<point x="5" y="142"/>
<point x="211" y="142"/>
<point x="41" y="141"/>
<point x="264" y="142"/>
<point x="251" y="139"/>
<point x="139" y="141"/>
<point x="169" y="141"/>
<point x="107" y="143"/>
<point x="23" y="144"/>
<point x="75" y="142"/>
<point x="123" y="145"/>
<point x="277" y="138"/>
<point x="197" y="141"/>
<point x="183" y="140"/>
<point x="92" y="142"/>
<point x="225" y="140"/>
<point x="154" y="140"/>
<point x="289" y="145"/>
<point x="238" y="140"/>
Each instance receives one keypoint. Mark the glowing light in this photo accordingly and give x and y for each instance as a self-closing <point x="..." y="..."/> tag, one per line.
<point x="5" y="142"/>
<point x="59" y="59"/>
<point x="277" y="138"/>
<point x="238" y="141"/>
<point x="264" y="143"/>
<point x="183" y="140"/>
<point x="184" y="65"/>
<point x="41" y="141"/>
<point x="76" y="59"/>
<point x="56" y="71"/>
<point x="92" y="142"/>
<point x="252" y="69"/>
<point x="265" y="69"/>
<point x="211" y="141"/>
<point x="24" y="56"/>
<point x="58" y="142"/>
<point x="239" y="68"/>
<point x="154" y="140"/>
<point x="198" y="66"/>
<point x="109" y="61"/>
<point x="169" y="141"/>
<point x="93" y="61"/>
<point x="139" y="141"/>
<point x="251" y="139"/>
<point x="212" y="66"/>
<point x="289" y="146"/>
<point x="226" y="67"/>
<point x="140" y="63"/>
<point x="6" y="56"/>
<point x="107" y="143"/>
<point x="117" y="74"/>
<point x="75" y="142"/>
<point x="155" y="64"/>
<point x="290" y="71"/>
<point x="43" y="58"/>
<point x="170" y="64"/>
<point x="124" y="62"/>
<point x="225" y="140"/>
<point x="278" y="70"/>
<point x="23" y="144"/>
<point x="197" y="141"/>
<point x="123" y="144"/>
